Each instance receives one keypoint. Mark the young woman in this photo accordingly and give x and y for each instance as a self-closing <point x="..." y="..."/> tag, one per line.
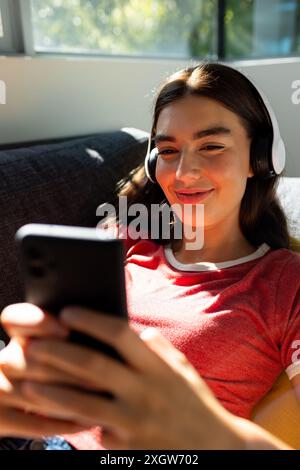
<point x="226" y="315"/>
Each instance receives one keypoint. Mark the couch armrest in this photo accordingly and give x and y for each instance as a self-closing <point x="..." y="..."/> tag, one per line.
<point x="279" y="412"/>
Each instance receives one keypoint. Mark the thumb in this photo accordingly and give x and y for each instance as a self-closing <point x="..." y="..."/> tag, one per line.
<point x="26" y="319"/>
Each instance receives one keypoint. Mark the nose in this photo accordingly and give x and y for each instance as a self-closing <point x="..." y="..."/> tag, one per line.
<point x="189" y="166"/>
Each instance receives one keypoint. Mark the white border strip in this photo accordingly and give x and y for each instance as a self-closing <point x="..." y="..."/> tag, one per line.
<point x="293" y="370"/>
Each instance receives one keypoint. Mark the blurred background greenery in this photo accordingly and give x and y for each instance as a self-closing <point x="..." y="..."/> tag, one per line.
<point x="168" y="28"/>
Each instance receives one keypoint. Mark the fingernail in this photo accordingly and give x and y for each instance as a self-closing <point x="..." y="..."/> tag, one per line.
<point x="149" y="333"/>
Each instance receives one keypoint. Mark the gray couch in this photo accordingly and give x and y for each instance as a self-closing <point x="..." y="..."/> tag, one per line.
<point x="64" y="182"/>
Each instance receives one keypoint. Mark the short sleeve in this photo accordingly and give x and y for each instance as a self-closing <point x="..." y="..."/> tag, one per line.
<point x="288" y="311"/>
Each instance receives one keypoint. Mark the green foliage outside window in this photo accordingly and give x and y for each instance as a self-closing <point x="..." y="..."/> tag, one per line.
<point x="166" y="28"/>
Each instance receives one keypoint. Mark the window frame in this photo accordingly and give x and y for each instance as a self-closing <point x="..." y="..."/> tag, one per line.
<point x="17" y="19"/>
<point x="221" y="36"/>
<point x="17" y="27"/>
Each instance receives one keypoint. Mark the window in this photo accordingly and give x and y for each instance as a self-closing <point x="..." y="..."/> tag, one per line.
<point x="179" y="29"/>
<point x="159" y="28"/>
<point x="267" y="28"/>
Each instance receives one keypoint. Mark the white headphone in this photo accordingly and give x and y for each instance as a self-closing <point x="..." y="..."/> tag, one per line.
<point x="278" y="147"/>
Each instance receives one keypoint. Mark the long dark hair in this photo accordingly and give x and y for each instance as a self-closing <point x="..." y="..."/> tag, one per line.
<point x="261" y="216"/>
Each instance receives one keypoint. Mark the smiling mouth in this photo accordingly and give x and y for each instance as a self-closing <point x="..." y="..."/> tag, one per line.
<point x="194" y="197"/>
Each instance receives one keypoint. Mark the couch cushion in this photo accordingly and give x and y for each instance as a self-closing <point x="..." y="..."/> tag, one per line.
<point x="61" y="183"/>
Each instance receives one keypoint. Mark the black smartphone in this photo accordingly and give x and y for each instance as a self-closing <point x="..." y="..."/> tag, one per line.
<point x="65" y="265"/>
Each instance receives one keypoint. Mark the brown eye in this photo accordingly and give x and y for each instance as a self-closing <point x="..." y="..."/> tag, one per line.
<point x="165" y="152"/>
<point x="212" y="147"/>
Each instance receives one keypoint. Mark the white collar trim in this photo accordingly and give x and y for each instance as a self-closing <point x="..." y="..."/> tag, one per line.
<point x="205" y="266"/>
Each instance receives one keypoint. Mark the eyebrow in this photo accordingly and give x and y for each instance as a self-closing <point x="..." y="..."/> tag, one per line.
<point x="217" y="130"/>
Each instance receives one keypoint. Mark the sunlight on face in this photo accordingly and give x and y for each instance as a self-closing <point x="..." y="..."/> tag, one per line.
<point x="217" y="159"/>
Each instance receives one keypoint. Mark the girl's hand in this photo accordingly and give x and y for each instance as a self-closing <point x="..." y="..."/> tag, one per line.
<point x="160" y="402"/>
<point x="16" y="418"/>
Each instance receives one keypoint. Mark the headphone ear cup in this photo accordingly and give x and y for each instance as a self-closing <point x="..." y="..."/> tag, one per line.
<point x="278" y="156"/>
<point x="150" y="165"/>
<point x="261" y="158"/>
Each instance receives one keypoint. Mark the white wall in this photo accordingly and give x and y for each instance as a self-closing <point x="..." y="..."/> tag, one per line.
<point x="49" y="97"/>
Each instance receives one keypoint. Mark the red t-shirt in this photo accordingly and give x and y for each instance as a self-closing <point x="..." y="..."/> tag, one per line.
<point x="237" y="322"/>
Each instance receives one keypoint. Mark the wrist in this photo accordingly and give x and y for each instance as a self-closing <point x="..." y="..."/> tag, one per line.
<point x="253" y="437"/>
<point x="231" y="436"/>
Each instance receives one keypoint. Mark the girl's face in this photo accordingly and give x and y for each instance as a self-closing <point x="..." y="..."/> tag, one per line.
<point x="203" y="146"/>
